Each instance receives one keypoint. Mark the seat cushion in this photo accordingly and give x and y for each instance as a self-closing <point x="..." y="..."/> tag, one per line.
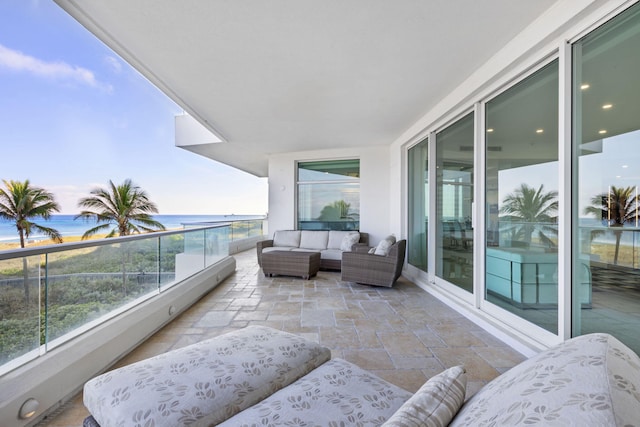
<point x="332" y="254"/>
<point x="591" y="380"/>
<point x="338" y="393"/>
<point x="277" y="248"/>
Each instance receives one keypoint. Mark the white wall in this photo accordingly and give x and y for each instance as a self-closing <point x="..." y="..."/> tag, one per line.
<point x="374" y="188"/>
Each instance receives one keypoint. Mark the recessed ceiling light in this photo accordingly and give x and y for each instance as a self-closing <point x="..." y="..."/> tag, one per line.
<point x="618" y="176"/>
<point x="607" y="106"/>
<point x="585" y="86"/>
<point x="625" y="166"/>
<point x="602" y="131"/>
<point x="539" y="130"/>
<point x="490" y="130"/>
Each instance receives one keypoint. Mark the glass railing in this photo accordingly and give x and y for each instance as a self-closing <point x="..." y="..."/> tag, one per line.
<point x="238" y="230"/>
<point x="50" y="294"/>
<point x="611" y="246"/>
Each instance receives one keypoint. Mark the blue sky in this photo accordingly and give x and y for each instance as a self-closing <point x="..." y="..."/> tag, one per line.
<point x="73" y="115"/>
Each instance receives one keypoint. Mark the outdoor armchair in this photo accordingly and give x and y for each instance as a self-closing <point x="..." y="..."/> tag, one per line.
<point x="378" y="270"/>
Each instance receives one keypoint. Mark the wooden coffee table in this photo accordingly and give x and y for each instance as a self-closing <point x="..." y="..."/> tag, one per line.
<point x="291" y="263"/>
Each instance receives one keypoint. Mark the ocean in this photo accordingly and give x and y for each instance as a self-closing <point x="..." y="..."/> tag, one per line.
<point x="68" y="226"/>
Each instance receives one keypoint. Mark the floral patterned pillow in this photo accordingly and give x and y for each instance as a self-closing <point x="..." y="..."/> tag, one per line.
<point x="435" y="404"/>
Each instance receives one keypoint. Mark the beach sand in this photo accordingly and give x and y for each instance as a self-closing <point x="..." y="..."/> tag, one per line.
<point x="67" y="239"/>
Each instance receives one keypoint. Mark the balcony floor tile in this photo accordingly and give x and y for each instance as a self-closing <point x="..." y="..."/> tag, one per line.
<point x="402" y="334"/>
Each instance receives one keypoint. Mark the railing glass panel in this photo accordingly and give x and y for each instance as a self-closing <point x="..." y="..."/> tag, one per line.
<point x="50" y="294"/>
<point x="19" y="307"/>
<point x="217" y="244"/>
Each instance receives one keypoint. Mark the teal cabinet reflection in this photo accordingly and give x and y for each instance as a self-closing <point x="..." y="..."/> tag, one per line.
<point x="528" y="278"/>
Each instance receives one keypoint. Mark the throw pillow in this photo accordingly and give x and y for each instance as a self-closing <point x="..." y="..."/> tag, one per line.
<point x="348" y="241"/>
<point x="385" y="245"/>
<point x="435" y="404"/>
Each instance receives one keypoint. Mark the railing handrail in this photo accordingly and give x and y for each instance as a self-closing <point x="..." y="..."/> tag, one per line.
<point x="59" y="247"/>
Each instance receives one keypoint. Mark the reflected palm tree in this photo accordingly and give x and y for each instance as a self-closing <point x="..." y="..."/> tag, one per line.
<point x="532" y="209"/>
<point x="617" y="207"/>
<point x="335" y="211"/>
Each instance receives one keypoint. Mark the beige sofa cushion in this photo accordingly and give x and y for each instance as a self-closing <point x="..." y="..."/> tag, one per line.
<point x="332" y="254"/>
<point x="287" y="238"/>
<point x="591" y="380"/>
<point x="315" y="239"/>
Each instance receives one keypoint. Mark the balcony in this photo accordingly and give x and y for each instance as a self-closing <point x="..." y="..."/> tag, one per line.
<point x="403" y="334"/>
<point x="71" y="310"/>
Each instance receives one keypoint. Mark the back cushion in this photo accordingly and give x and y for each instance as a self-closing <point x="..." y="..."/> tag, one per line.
<point x="289" y="238"/>
<point x="314" y="239"/>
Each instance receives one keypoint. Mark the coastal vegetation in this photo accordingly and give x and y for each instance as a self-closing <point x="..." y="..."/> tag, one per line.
<point x="45" y="296"/>
<point x="82" y="285"/>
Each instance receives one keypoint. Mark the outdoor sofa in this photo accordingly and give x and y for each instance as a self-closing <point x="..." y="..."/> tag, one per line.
<point x="330" y="243"/>
<point x="262" y="376"/>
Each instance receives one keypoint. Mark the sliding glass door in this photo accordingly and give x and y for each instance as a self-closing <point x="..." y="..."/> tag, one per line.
<point x="522" y="176"/>
<point x="454" y="201"/>
<point x="606" y="130"/>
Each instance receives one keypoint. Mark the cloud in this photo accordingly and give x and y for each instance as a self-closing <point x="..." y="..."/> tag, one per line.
<point x="67" y="196"/>
<point x="114" y="64"/>
<point x="18" y="61"/>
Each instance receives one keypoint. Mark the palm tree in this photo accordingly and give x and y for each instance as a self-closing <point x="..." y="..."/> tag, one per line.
<point x="531" y="207"/>
<point x="19" y="203"/>
<point x="616" y="207"/>
<point x="126" y="206"/>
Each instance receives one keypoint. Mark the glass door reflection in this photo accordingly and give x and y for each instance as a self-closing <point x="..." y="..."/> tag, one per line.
<point x="454" y="193"/>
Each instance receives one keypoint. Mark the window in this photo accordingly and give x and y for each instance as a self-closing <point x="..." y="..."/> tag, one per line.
<point x="329" y="195"/>
<point x="522" y="178"/>
<point x="606" y="138"/>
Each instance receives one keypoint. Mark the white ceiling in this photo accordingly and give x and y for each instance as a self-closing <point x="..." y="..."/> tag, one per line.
<point x="294" y="75"/>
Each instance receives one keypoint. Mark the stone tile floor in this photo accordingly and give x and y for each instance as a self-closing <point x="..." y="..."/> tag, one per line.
<point x="402" y="334"/>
